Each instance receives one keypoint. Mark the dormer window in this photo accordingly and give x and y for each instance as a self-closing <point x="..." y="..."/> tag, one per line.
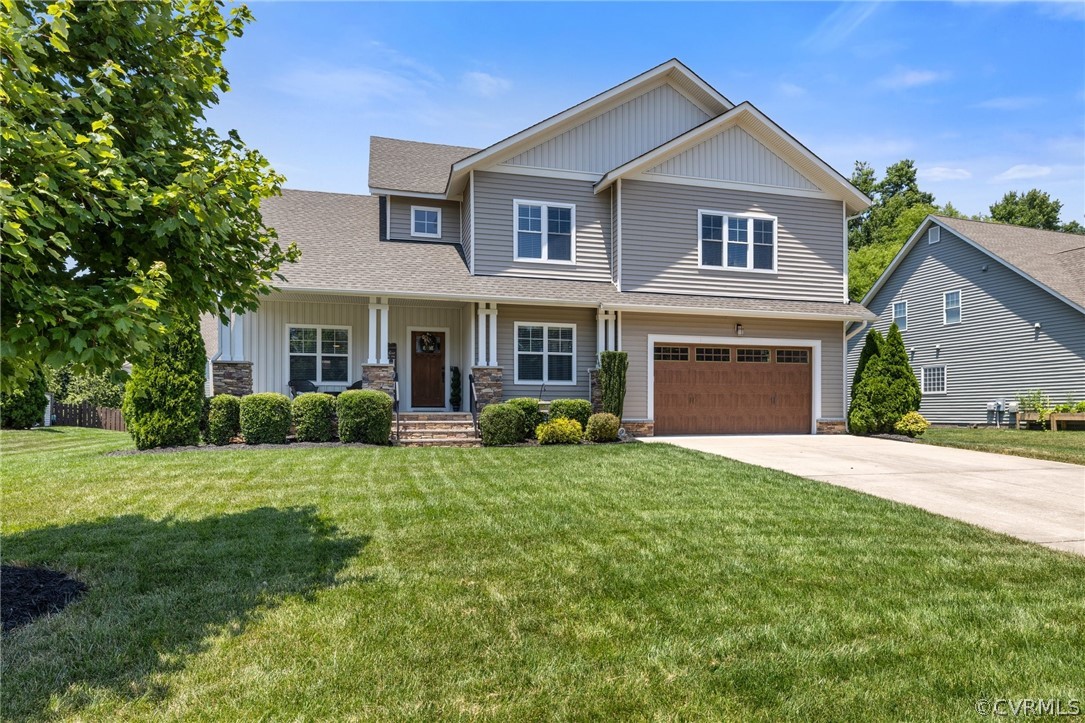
<point x="743" y="242"/>
<point x="425" y="222"/>
<point x="545" y="232"/>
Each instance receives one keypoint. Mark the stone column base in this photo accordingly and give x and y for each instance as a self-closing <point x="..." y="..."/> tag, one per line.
<point x="640" y="429"/>
<point x="596" y="391"/>
<point x="231" y="377"/>
<point x="832" y="426"/>
<point x="380" y="377"/>
<point x="488" y="385"/>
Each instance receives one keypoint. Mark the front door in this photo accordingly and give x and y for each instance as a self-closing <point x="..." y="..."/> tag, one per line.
<point x="427" y="369"/>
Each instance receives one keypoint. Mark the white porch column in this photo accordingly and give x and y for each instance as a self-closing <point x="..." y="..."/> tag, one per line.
<point x="493" y="335"/>
<point x="382" y="351"/>
<point x="481" y="359"/>
<point x="226" y="352"/>
<point x="471" y="337"/>
<point x="612" y="330"/>
<point x="232" y="338"/>
<point x="618" y="325"/>
<point x="600" y="335"/>
<point x="372" y="356"/>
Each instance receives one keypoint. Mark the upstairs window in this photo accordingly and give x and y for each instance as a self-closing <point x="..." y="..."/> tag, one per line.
<point x="900" y="314"/>
<point x="425" y="222"/>
<point x="951" y="307"/>
<point x="545" y="232"/>
<point x="737" y="241"/>
<point x="545" y="353"/>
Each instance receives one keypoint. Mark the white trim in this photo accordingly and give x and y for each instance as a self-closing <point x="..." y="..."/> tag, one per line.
<point x="373" y="191"/>
<point x="474" y="192"/>
<point x="546" y="325"/>
<point x="319" y="329"/>
<point x="934" y="234"/>
<point x="726" y="216"/>
<point x="543" y="172"/>
<point x="434" y="209"/>
<point x="923" y="380"/>
<point x="745" y="341"/>
<point x="387" y="217"/>
<point x="945" y="308"/>
<point x="409" y="367"/>
<point x="844" y="213"/>
<point x="893" y="309"/>
<point x="544" y="224"/>
<point x="726" y="185"/>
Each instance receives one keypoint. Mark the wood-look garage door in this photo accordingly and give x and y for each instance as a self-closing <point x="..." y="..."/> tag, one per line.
<point x="703" y="389"/>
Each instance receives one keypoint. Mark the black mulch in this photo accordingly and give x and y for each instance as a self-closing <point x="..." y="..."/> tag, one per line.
<point x="30" y="592"/>
<point x="894" y="437"/>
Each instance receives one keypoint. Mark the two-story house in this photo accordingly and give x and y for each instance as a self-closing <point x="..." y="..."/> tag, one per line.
<point x="657" y="217"/>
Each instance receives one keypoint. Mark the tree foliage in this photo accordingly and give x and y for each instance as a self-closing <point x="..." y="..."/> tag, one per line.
<point x="1035" y="209"/>
<point x="115" y="195"/>
<point x="871" y="348"/>
<point x="23" y="408"/>
<point x="887" y="388"/>
<point x="613" y="367"/>
<point x="71" y="387"/>
<point x="894" y="194"/>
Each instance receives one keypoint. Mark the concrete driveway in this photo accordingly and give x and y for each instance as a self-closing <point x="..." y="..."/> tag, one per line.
<point x="1034" y="500"/>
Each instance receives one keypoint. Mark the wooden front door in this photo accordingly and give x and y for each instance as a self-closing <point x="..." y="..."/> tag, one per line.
<point x="427" y="369"/>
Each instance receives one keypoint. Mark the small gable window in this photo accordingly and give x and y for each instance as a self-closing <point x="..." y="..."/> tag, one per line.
<point x="425" y="222"/>
<point x="737" y="241"/>
<point x="900" y="314"/>
<point x="934" y="234"/>
<point x="951" y="307"/>
<point x="545" y="232"/>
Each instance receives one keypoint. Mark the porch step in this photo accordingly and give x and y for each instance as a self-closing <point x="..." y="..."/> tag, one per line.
<point x="413" y="432"/>
<point x="440" y="442"/>
<point x="434" y="417"/>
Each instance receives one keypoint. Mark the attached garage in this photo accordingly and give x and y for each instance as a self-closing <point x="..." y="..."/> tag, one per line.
<point x="703" y="388"/>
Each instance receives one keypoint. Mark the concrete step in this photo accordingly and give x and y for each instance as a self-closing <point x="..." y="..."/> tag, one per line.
<point x="440" y="442"/>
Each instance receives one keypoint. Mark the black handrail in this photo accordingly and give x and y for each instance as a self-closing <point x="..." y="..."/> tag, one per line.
<point x="395" y="397"/>
<point x="473" y="402"/>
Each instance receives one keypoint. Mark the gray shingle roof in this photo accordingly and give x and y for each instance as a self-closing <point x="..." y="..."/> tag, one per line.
<point x="1056" y="260"/>
<point x="412" y="166"/>
<point x="338" y="235"/>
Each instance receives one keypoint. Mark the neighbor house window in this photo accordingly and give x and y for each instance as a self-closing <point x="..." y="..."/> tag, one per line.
<point x="545" y="353"/>
<point x="900" y="314"/>
<point x="737" y="241"/>
<point x="951" y="307"/>
<point x="934" y="234"/>
<point x="425" y="222"/>
<point x="319" y="354"/>
<point x="545" y="231"/>
<point x="934" y="380"/>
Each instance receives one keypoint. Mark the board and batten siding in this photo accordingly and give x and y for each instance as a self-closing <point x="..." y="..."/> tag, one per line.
<point x="400" y="209"/>
<point x="996" y="352"/>
<point x="584" y="318"/>
<point x="618" y="135"/>
<point x="636" y="327"/>
<point x="660" y="239"/>
<point x="494" y="226"/>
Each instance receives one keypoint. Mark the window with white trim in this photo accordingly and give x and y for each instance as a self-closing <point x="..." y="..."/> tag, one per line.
<point x="319" y="354"/>
<point x="737" y="241"/>
<point x="900" y="314"/>
<point x="934" y="234"/>
<point x="934" y="380"/>
<point x="545" y="353"/>
<point x="951" y="307"/>
<point x="425" y="222"/>
<point x="545" y="232"/>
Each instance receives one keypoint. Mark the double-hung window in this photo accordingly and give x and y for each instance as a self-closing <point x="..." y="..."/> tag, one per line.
<point x="545" y="232"/>
<point x="951" y="307"/>
<point x="319" y="354"/>
<point x="900" y="314"/>
<point x="425" y="222"/>
<point x="737" y="241"/>
<point x="934" y="380"/>
<point x="545" y="353"/>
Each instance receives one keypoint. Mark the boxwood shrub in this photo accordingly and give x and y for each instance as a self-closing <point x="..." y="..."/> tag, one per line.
<point x="602" y="427"/>
<point x="533" y="416"/>
<point x="560" y="431"/>
<point x="501" y="424"/>
<point x="365" y="415"/>
<point x="223" y="419"/>
<point x="265" y="418"/>
<point x="314" y="417"/>
<point x="578" y="409"/>
<point x="24" y="408"/>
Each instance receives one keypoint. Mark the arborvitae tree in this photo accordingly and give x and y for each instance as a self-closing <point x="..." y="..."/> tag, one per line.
<point x="163" y="401"/>
<point x="886" y="388"/>
<point x="871" y="348"/>
<point x="613" y="366"/>
<point x="903" y="385"/>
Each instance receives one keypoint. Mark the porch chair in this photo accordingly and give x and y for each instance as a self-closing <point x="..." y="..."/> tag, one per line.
<point x="300" y="386"/>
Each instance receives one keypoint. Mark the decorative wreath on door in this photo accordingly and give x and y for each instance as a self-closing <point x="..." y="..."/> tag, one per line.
<point x="429" y="343"/>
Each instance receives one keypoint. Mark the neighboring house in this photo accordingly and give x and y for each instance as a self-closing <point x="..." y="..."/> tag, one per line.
<point x="657" y="217"/>
<point x="987" y="311"/>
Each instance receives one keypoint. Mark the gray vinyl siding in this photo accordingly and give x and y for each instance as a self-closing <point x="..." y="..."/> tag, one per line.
<point x="465" y="223"/>
<point x="660" y="243"/>
<point x="584" y="318"/>
<point x="636" y="327"/>
<point x="494" y="226"/>
<point x="400" y="209"/>
<point x="995" y="352"/>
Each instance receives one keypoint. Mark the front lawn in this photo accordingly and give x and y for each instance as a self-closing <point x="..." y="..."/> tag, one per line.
<point x="590" y="583"/>
<point x="1056" y="446"/>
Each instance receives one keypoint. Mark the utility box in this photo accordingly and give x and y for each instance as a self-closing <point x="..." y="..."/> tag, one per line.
<point x="992" y="406"/>
<point x="1012" y="407"/>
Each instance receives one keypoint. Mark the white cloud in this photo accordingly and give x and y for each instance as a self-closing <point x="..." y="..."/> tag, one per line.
<point x="359" y="85"/>
<point x="1010" y="103"/>
<point x="943" y="173"/>
<point x="484" y="84"/>
<point x="790" y="90"/>
<point x="1022" y="171"/>
<point x="903" y="78"/>
<point x="834" y="30"/>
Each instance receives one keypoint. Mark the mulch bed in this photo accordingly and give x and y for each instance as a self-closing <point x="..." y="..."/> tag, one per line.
<point x="894" y="437"/>
<point x="30" y="592"/>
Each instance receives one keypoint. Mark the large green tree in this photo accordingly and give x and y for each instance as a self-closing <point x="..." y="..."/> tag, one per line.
<point x="116" y="196"/>
<point x="1034" y="208"/>
<point x="894" y="194"/>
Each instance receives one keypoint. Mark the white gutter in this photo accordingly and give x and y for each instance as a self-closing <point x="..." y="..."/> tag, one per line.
<point x="862" y="325"/>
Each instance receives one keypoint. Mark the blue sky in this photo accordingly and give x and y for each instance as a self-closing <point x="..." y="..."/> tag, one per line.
<point x="985" y="97"/>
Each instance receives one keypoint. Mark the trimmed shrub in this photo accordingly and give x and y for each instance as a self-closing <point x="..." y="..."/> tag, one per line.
<point x="163" y="401"/>
<point x="365" y="415"/>
<point x="501" y="424"/>
<point x="578" y="409"/>
<point x="533" y="416"/>
<point x="223" y="419"/>
<point x="562" y="430"/>
<point x="871" y="347"/>
<point x="613" y="366"/>
<point x="912" y="424"/>
<point x="265" y="418"/>
<point x="314" y="417"/>
<point x="887" y="390"/>
<point x="25" y="408"/>
<point x="602" y="427"/>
